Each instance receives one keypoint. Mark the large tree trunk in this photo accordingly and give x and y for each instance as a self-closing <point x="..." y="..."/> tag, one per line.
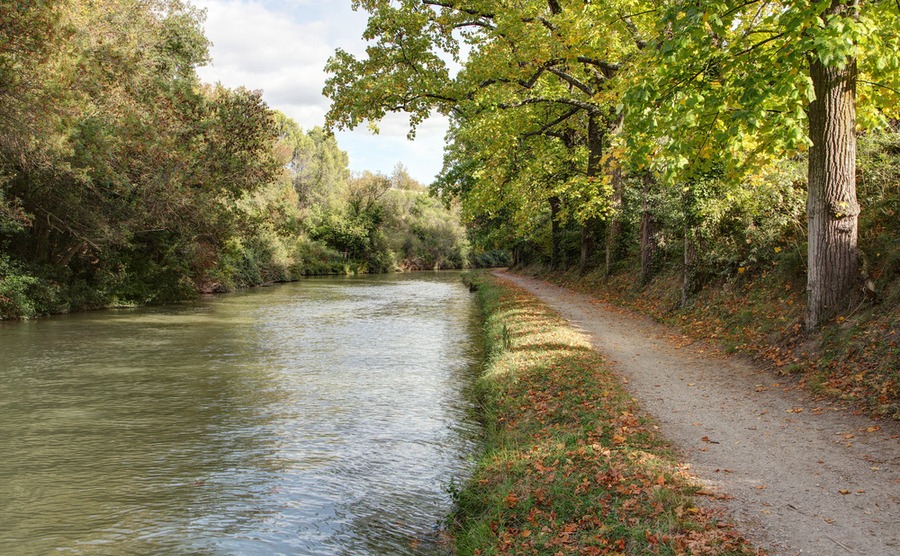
<point x="832" y="208"/>
<point x="649" y="229"/>
<point x="614" y="168"/>
<point x="595" y="156"/>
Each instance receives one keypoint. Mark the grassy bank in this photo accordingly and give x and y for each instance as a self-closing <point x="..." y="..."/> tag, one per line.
<point x="570" y="466"/>
<point x="854" y="358"/>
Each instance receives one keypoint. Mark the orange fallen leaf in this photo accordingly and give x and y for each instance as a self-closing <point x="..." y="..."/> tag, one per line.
<point x="844" y="491"/>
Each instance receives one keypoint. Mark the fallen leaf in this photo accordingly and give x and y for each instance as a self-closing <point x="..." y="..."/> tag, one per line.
<point x="844" y="491"/>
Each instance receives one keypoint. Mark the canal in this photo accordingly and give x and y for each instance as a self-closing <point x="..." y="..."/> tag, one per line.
<point x="327" y="416"/>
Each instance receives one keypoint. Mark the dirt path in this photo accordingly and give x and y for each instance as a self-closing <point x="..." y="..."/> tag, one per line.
<point x="798" y="478"/>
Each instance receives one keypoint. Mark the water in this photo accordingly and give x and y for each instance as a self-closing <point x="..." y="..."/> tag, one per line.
<point x="324" y="417"/>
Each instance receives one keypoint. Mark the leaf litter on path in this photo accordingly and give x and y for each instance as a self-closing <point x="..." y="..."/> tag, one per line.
<point x="801" y="463"/>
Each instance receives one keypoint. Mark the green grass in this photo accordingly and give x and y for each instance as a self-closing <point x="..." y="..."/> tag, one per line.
<point x="570" y="464"/>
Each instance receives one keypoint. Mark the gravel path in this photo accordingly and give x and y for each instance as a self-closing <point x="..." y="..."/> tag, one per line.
<point x="798" y="476"/>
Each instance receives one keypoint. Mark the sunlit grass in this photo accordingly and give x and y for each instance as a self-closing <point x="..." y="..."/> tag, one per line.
<point x="570" y="464"/>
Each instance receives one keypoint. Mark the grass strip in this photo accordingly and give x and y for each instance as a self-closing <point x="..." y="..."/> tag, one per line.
<point x="570" y="466"/>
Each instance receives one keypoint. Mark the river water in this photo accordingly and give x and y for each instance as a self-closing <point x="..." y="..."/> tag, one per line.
<point x="328" y="416"/>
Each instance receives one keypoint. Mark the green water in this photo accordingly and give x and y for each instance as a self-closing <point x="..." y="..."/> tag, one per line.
<point x="324" y="417"/>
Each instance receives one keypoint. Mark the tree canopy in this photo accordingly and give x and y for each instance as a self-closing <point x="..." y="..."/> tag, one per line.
<point x="563" y="110"/>
<point x="125" y="179"/>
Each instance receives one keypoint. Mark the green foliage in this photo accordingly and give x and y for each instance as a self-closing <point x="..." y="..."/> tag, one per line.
<point x="492" y="259"/>
<point x="15" y="286"/>
<point x="879" y="235"/>
<point x="556" y="101"/>
<point x="125" y="180"/>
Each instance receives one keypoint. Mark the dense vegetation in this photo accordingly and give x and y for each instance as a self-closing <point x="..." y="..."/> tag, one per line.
<point x="571" y="465"/>
<point x="721" y="132"/>
<point x="734" y="165"/>
<point x="125" y="180"/>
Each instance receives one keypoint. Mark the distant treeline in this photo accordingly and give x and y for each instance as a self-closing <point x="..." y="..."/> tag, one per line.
<point x="125" y="180"/>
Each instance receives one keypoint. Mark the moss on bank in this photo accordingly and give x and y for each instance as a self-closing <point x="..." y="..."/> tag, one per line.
<point x="570" y="465"/>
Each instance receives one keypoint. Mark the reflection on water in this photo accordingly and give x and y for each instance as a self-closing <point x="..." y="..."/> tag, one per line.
<point x="323" y="417"/>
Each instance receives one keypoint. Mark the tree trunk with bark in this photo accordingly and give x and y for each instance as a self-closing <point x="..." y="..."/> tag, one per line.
<point x="595" y="155"/>
<point x="614" y="230"/>
<point x="691" y="279"/>
<point x="692" y="245"/>
<point x="555" y="233"/>
<point x="649" y="229"/>
<point x="832" y="208"/>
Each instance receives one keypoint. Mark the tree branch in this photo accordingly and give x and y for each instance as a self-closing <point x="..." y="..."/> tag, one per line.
<point x="609" y="68"/>
<point x="590" y="108"/>
<point x="573" y="81"/>
<point x="546" y="128"/>
<point x="881" y="85"/>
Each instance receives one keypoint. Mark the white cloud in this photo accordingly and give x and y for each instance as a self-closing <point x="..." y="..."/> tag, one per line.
<point x="281" y="46"/>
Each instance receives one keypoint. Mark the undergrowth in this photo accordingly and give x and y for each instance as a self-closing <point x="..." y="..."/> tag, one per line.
<point x="854" y="358"/>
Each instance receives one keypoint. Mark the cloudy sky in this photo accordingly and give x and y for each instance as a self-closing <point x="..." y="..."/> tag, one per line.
<point x="281" y="46"/>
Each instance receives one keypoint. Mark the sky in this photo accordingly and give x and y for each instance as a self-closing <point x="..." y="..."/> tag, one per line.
<point x="281" y="46"/>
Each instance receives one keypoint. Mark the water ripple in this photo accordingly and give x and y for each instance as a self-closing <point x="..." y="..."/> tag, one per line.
<point x="324" y="417"/>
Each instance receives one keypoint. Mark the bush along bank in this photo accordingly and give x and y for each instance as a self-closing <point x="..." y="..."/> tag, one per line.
<point x="569" y="464"/>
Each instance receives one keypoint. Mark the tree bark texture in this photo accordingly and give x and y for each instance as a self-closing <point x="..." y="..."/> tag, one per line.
<point x="691" y="281"/>
<point x="555" y="233"/>
<point x="832" y="208"/>
<point x="614" y="169"/>
<point x="595" y="155"/>
<point x="650" y="228"/>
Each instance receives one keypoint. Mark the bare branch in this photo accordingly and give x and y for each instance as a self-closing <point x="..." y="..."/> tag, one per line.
<point x="588" y="107"/>
<point x="609" y="68"/>
<point x="545" y="130"/>
<point x="572" y="80"/>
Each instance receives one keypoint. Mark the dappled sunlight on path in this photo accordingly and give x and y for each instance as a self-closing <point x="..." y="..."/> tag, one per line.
<point x="800" y="477"/>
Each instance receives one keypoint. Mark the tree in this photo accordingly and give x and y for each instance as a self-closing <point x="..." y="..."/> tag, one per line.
<point x="755" y="81"/>
<point x="532" y="55"/>
<point x="120" y="168"/>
